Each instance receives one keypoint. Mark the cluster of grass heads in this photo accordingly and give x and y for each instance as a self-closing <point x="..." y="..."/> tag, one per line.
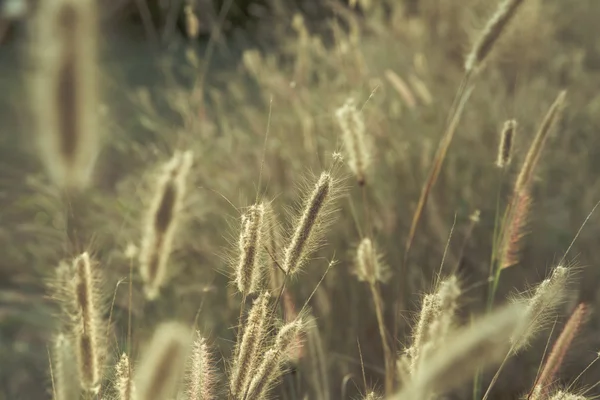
<point x="422" y="168"/>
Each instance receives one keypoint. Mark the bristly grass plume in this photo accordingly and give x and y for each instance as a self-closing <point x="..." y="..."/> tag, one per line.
<point x="309" y="225"/>
<point x="162" y="365"/>
<point x="161" y="222"/>
<point x="64" y="89"/>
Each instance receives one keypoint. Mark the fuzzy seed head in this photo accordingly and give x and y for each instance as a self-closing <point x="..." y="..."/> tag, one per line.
<point x="535" y="150"/>
<point x="506" y="143"/>
<point x="62" y="370"/>
<point x="248" y="351"/>
<point x="161" y="368"/>
<point x="299" y="246"/>
<point x="88" y="327"/>
<point x="64" y="90"/>
<point x="447" y="300"/>
<point x="161" y="223"/>
<point x="435" y="321"/>
<point x="515" y="230"/>
<point x="546" y="297"/>
<point x="369" y="266"/>
<point x="372" y="396"/>
<point x="201" y="377"/>
<point x="125" y="386"/>
<point x="560" y="395"/>
<point x="491" y="33"/>
<point x="248" y="274"/>
<point x="355" y="140"/>
<point x="559" y="350"/>
<point x="465" y="351"/>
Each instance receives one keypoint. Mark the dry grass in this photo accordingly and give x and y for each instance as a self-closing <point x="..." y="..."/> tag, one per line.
<point x="333" y="146"/>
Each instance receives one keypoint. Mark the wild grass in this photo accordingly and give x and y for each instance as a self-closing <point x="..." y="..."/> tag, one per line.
<point x="359" y="220"/>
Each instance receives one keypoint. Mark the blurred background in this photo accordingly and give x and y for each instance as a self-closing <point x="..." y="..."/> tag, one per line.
<point x="211" y="76"/>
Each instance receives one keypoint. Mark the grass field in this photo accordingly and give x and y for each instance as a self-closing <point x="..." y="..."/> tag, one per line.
<point x="303" y="210"/>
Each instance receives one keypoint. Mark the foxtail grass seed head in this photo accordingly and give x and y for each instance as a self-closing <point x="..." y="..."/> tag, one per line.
<point x="273" y="246"/>
<point x="355" y="139"/>
<point x="506" y="143"/>
<point x="124" y="383"/>
<point x="64" y="89"/>
<point x="546" y="297"/>
<point x="559" y="350"/>
<point x="161" y="223"/>
<point x="63" y="372"/>
<point x="466" y="350"/>
<point x="447" y="298"/>
<point x="430" y="310"/>
<point x="248" y="352"/>
<point x="201" y="378"/>
<point x="560" y="395"/>
<point x="369" y="264"/>
<point x="435" y="321"/>
<point x="535" y="150"/>
<point x="88" y="326"/>
<point x="512" y="238"/>
<point x="372" y="396"/>
<point x="299" y="246"/>
<point x="288" y="334"/>
<point x="161" y="368"/>
<point x="270" y="367"/>
<point x="491" y="33"/>
<point x="192" y="23"/>
<point x="248" y="273"/>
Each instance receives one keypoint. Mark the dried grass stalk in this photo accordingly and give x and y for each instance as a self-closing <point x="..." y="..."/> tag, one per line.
<point x="162" y="220"/>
